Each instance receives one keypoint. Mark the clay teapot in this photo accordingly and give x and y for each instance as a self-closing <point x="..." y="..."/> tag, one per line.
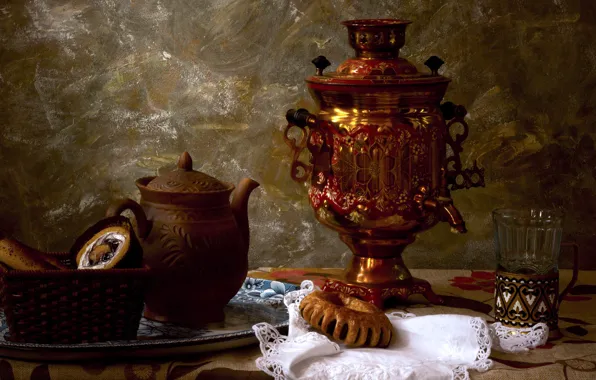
<point x="194" y="239"/>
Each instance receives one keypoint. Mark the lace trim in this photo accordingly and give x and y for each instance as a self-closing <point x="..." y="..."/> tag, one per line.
<point x="358" y="371"/>
<point x="482" y="362"/>
<point x="295" y="297"/>
<point x="515" y="340"/>
<point x="269" y="338"/>
<point x="292" y="301"/>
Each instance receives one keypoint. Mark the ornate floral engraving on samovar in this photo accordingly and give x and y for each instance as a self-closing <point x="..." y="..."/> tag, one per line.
<point x="379" y="171"/>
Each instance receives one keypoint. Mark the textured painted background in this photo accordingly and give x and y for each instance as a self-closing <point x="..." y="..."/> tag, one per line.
<point x="94" y="94"/>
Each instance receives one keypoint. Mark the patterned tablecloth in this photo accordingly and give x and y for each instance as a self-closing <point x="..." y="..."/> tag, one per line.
<point x="467" y="292"/>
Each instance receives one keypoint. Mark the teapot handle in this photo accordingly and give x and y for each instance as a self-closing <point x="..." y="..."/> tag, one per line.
<point x="143" y="225"/>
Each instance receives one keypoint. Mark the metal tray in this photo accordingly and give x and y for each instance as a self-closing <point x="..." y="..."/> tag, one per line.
<point x="257" y="301"/>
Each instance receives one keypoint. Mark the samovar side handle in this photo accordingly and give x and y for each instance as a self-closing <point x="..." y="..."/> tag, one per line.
<point x="302" y="119"/>
<point x="455" y="114"/>
<point x="469" y="177"/>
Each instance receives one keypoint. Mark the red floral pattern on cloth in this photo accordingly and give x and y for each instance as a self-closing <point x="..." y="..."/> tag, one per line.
<point x="479" y="280"/>
<point x="296" y="276"/>
<point x="485" y="281"/>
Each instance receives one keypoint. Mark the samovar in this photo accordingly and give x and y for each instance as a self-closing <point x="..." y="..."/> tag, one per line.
<point x="380" y="171"/>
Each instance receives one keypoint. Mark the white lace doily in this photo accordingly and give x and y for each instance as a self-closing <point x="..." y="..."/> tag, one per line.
<point x="443" y="346"/>
<point x="514" y="340"/>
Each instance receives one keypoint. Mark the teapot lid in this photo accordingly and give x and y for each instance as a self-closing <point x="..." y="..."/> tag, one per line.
<point x="186" y="180"/>
<point x="377" y="61"/>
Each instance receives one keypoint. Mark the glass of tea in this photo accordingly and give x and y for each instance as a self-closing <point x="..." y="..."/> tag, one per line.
<point x="528" y="245"/>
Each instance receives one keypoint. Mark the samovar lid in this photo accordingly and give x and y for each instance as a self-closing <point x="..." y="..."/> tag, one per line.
<point x="377" y="43"/>
<point x="186" y="180"/>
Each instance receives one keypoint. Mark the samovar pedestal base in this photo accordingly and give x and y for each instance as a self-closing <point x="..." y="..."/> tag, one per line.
<point x="377" y="272"/>
<point x="379" y="294"/>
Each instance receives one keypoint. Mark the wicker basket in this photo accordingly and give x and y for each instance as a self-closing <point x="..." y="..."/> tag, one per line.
<point x="73" y="306"/>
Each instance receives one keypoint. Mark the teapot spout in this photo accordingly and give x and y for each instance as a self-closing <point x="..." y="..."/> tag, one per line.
<point x="240" y="207"/>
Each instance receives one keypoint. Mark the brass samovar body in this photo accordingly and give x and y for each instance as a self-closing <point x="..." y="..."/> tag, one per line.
<point x="379" y="171"/>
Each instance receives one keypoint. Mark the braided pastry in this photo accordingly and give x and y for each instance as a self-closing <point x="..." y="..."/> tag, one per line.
<point x="347" y="319"/>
